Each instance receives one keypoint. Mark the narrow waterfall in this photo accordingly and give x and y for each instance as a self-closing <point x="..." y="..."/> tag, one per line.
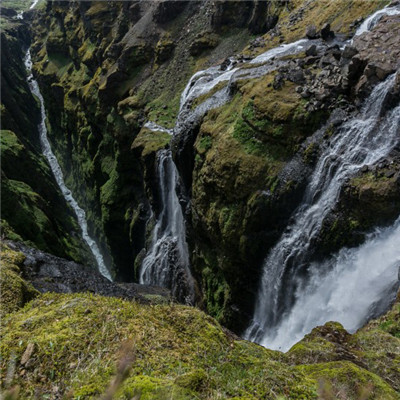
<point x="361" y="141"/>
<point x="167" y="262"/>
<point x="373" y="19"/>
<point x="56" y="169"/>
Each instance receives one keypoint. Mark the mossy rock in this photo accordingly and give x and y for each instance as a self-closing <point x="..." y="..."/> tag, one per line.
<point x="79" y="343"/>
<point x="345" y="380"/>
<point x="374" y="348"/>
<point x="14" y="291"/>
<point x="149" y="141"/>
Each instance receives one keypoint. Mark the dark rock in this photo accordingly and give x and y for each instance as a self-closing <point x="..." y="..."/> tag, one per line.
<point x="335" y="52"/>
<point x="312" y="50"/>
<point x="49" y="273"/>
<point x="349" y="52"/>
<point x="364" y="169"/>
<point x="278" y="81"/>
<point x="326" y="33"/>
<point x="311" y="32"/>
<point x="297" y="76"/>
<point x="390" y="174"/>
<point x="168" y="10"/>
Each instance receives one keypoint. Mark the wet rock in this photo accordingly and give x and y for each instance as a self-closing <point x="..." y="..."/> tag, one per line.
<point x="311" y="32"/>
<point x="327" y="33"/>
<point x="312" y="50"/>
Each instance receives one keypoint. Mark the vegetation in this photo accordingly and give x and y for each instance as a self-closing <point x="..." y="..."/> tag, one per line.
<point x="83" y="346"/>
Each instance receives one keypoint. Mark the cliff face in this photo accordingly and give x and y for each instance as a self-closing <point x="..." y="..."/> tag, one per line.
<point x="105" y="68"/>
<point x="32" y="207"/>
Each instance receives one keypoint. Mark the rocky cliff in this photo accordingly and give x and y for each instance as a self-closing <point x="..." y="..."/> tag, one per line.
<point x="33" y="209"/>
<point x="105" y="68"/>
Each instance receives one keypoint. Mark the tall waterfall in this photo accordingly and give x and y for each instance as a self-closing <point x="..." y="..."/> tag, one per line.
<point x="56" y="169"/>
<point x="361" y="141"/>
<point x="167" y="262"/>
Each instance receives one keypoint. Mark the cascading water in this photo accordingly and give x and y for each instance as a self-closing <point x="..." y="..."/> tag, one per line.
<point x="167" y="262"/>
<point x="373" y="19"/>
<point x="360" y="285"/>
<point x="56" y="169"/>
<point x="285" y="295"/>
<point x="361" y="141"/>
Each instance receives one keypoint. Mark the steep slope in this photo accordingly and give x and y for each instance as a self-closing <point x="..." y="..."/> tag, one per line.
<point x="104" y="68"/>
<point x="33" y="209"/>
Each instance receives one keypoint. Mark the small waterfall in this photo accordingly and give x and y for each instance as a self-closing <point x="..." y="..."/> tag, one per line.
<point x="373" y="19"/>
<point x="361" y="141"/>
<point x="56" y="169"/>
<point x="167" y="262"/>
<point x="20" y="15"/>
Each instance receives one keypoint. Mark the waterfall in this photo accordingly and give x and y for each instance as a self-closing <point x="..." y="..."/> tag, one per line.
<point x="167" y="262"/>
<point x="360" y="285"/>
<point x="56" y="169"/>
<point x="285" y="295"/>
<point x="361" y="141"/>
<point x="373" y="19"/>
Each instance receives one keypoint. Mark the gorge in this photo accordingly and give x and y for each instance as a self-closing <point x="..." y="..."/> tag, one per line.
<point x="242" y="156"/>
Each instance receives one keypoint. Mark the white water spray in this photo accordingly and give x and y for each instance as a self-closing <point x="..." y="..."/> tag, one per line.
<point x="361" y="284"/>
<point x="361" y="141"/>
<point x="167" y="262"/>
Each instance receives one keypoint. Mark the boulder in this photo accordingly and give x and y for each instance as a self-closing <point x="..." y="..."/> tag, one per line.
<point x="311" y="32"/>
<point x="349" y="52"/>
<point x="326" y="33"/>
<point x="311" y="51"/>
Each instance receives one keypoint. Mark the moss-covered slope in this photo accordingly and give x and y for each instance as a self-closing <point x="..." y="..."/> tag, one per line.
<point x="83" y="346"/>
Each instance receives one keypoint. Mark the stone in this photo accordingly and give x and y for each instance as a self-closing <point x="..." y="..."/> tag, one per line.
<point x="349" y="52"/>
<point x="326" y="33"/>
<point x="383" y="70"/>
<point x="370" y="70"/>
<point x="390" y="174"/>
<point x="27" y="353"/>
<point x="311" y="32"/>
<point x="312" y="50"/>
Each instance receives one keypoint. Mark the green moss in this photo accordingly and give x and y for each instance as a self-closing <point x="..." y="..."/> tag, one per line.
<point x="83" y="342"/>
<point x="350" y="380"/>
<point x="14" y="291"/>
<point x="150" y="142"/>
